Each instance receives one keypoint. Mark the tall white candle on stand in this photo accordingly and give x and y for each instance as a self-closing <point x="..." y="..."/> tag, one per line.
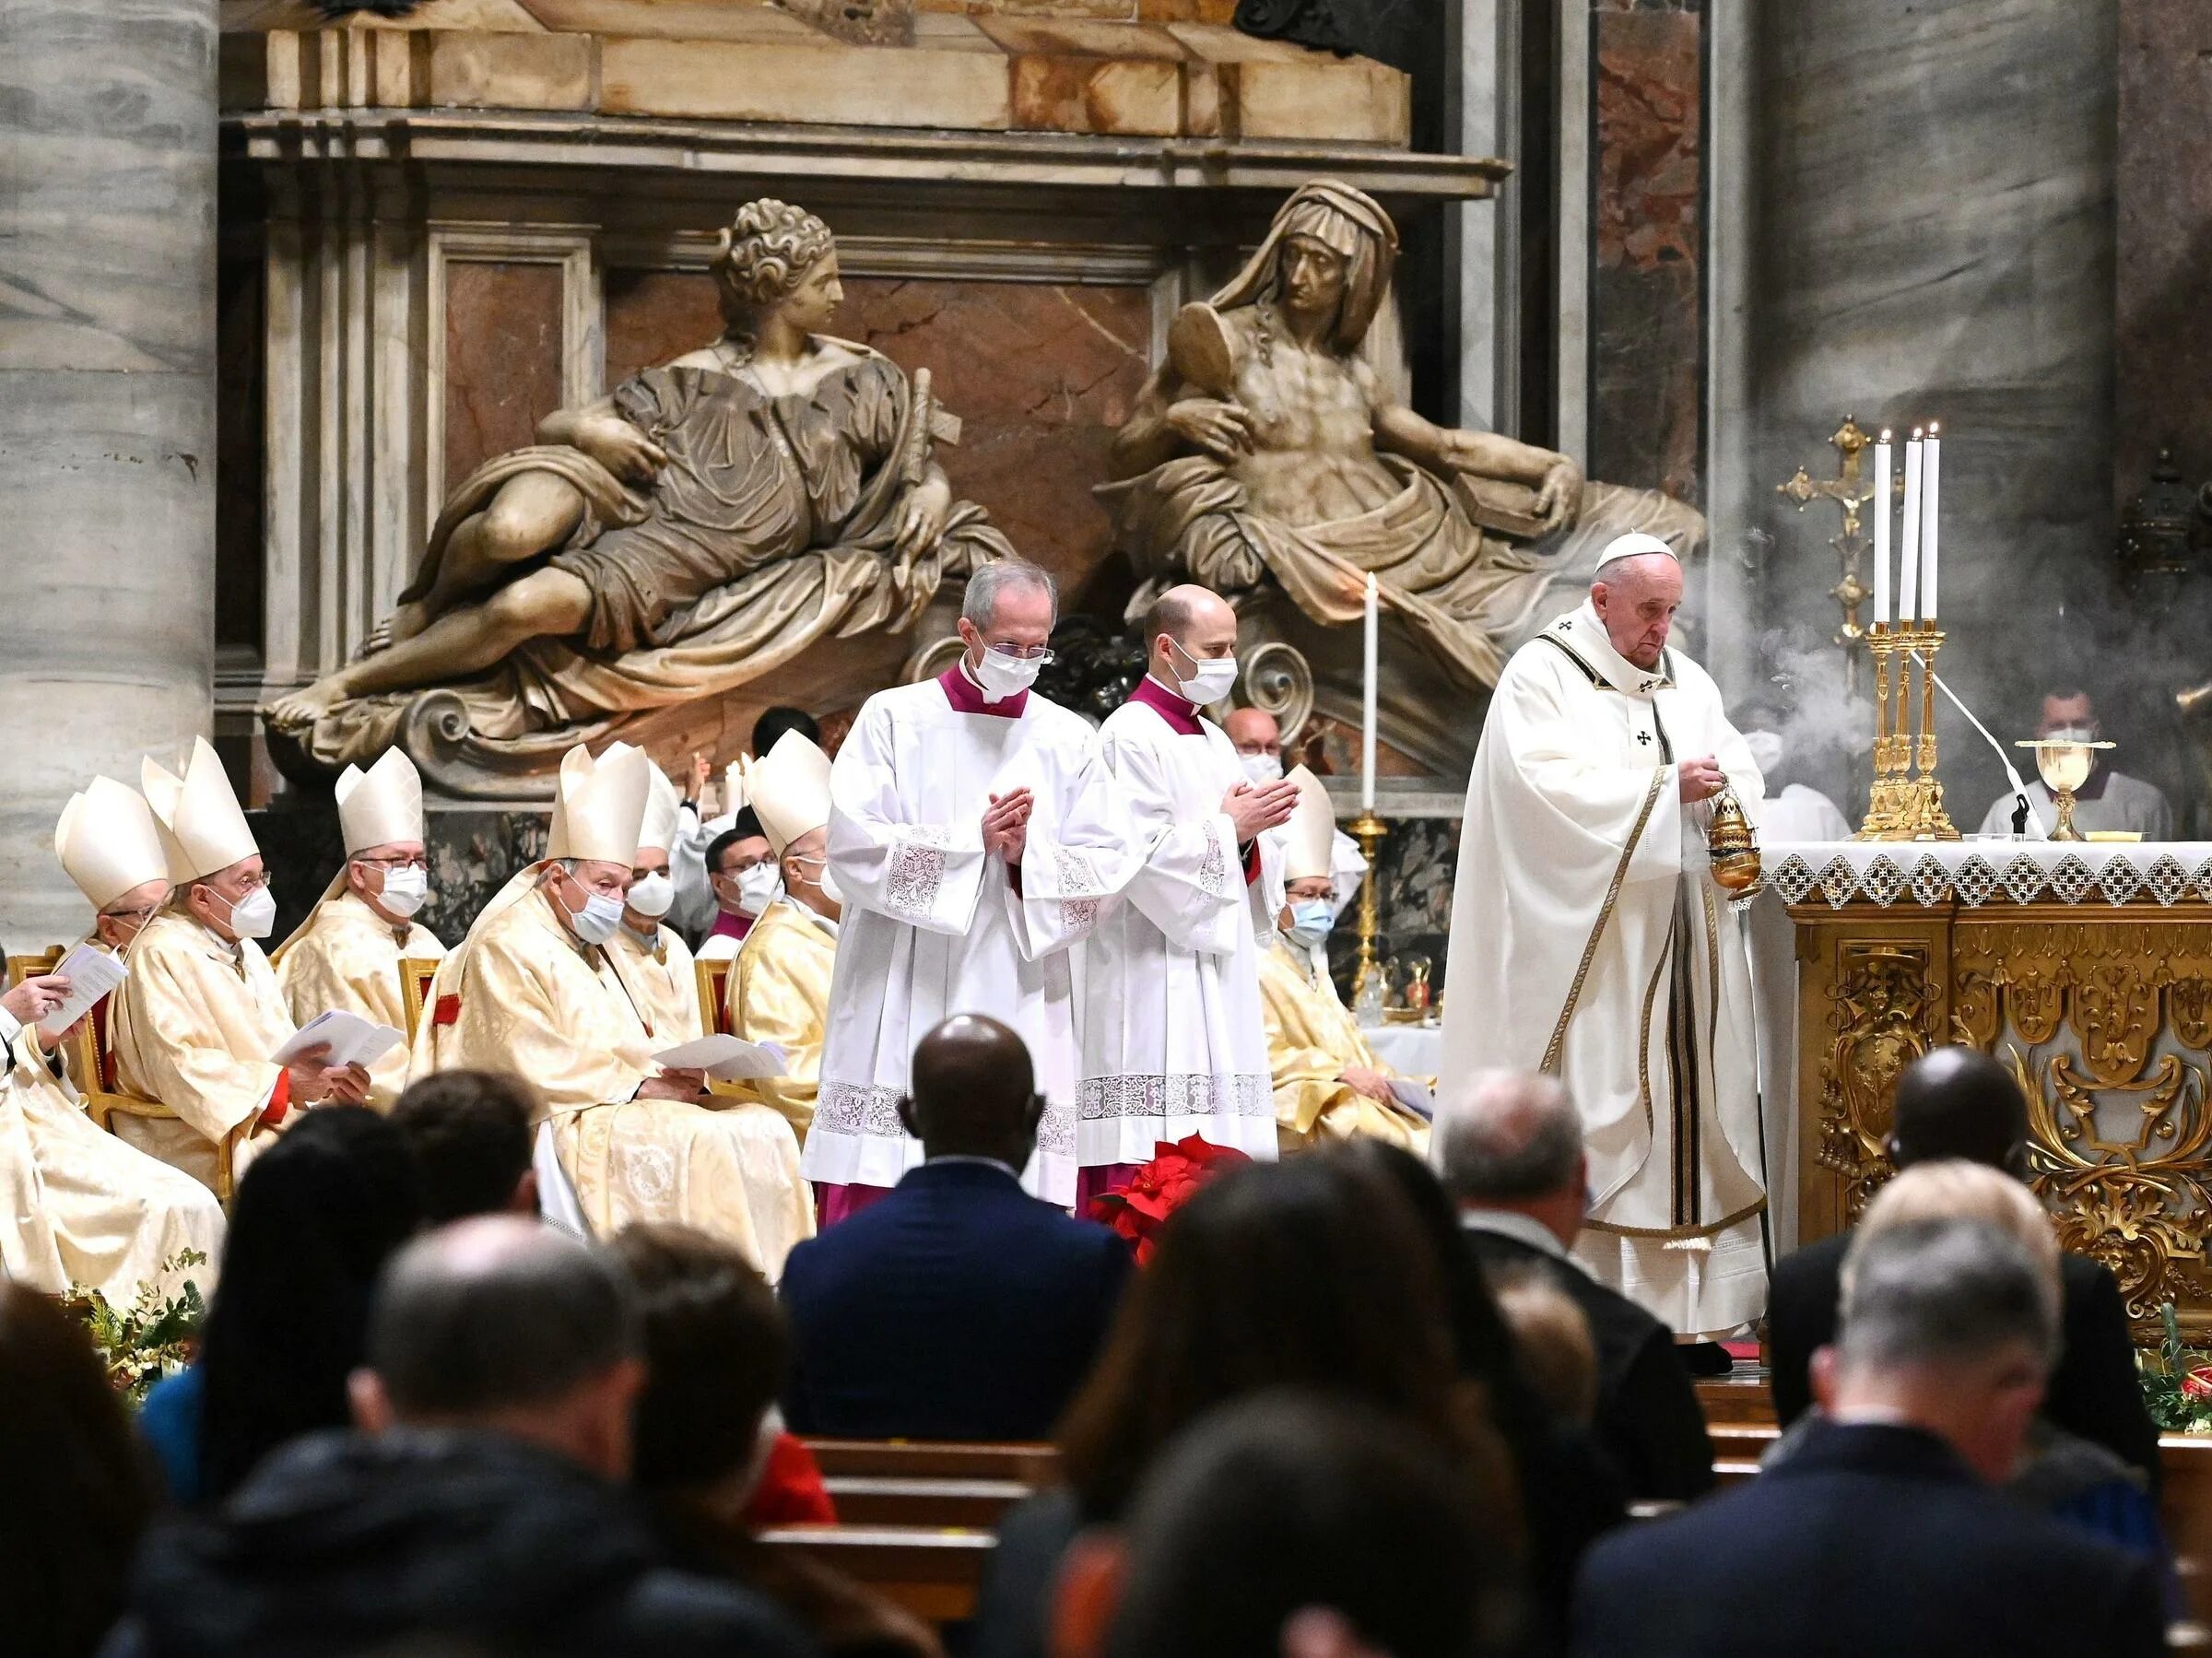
<point x="1930" y="488"/>
<point x="1908" y="562"/>
<point x="1367" y="717"/>
<point x="1881" y="530"/>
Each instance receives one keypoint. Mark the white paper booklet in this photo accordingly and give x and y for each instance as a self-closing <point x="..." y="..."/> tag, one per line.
<point x="726" y="1058"/>
<point x="353" y="1039"/>
<point x="92" y="973"/>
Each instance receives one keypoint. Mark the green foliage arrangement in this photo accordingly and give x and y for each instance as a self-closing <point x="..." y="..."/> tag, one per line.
<point x="152" y="1337"/>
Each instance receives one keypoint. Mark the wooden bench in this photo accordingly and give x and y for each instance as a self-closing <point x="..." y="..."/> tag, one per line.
<point x="932" y="1571"/>
<point x="922" y="1483"/>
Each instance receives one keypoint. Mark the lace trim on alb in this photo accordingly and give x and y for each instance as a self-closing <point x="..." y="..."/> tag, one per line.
<point x="852" y="1108"/>
<point x="917" y="871"/>
<point x="1177" y="1094"/>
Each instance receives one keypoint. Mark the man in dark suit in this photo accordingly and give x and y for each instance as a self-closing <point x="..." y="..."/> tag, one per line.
<point x="958" y="1307"/>
<point x="1881" y="1532"/>
<point x="1955" y="1102"/>
<point x="1509" y="1151"/>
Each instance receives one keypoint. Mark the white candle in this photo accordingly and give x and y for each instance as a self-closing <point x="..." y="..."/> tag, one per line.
<point x="1881" y="530"/>
<point x="1930" y="485"/>
<point x="1908" y="562"/>
<point x="1367" y="719"/>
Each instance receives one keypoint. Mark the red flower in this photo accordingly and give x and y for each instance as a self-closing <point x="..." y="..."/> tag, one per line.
<point x="1160" y="1187"/>
<point x="2197" y="1384"/>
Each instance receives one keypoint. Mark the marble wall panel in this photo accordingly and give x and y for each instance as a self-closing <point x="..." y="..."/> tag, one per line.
<point x="1413" y="866"/>
<point x="1647" y="367"/>
<point x="502" y="359"/>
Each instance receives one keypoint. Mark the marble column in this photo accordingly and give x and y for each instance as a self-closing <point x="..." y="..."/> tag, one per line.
<point x="1933" y="237"/>
<point x="107" y="412"/>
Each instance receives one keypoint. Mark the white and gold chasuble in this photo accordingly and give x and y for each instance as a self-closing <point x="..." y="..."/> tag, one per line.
<point x="1311" y="1038"/>
<point x="779" y="991"/>
<point x="195" y="1024"/>
<point x="347" y="957"/>
<point x="1589" y="942"/>
<point x="521" y="994"/>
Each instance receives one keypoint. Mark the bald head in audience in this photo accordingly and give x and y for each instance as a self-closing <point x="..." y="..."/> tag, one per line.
<point x="974" y="1093"/>
<point x="1958" y="1103"/>
<point x="507" y="1325"/>
<point x="1513" y="1142"/>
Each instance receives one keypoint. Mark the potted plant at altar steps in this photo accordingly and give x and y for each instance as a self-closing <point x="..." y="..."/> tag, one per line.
<point x="2177" y="1380"/>
<point x="151" y="1338"/>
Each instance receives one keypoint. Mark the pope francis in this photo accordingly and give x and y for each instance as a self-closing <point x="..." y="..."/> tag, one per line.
<point x="1589" y="941"/>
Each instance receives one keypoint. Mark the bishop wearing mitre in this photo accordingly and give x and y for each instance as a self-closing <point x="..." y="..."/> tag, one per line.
<point x="1328" y="1084"/>
<point x="534" y="989"/>
<point x="1589" y="942"/>
<point x="86" y="1207"/>
<point x="201" y="1016"/>
<point x="655" y="965"/>
<point x="346" y="956"/>
<point x="779" y="989"/>
<point x="1173" y="1040"/>
<point x="973" y="837"/>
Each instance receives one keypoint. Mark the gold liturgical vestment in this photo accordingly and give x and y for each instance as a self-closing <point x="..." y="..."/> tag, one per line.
<point x="84" y="1207"/>
<point x="195" y="1024"/>
<point x="1311" y="1038"/>
<point x="347" y="957"/>
<point x="663" y="982"/>
<point x="520" y="994"/>
<point x="780" y="992"/>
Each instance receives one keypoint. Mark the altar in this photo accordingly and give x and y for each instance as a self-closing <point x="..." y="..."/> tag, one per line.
<point x="2085" y="968"/>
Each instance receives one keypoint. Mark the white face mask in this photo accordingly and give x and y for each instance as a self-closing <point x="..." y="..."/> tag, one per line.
<point x="254" y="915"/>
<point x="1312" y="921"/>
<point x="831" y="890"/>
<point x="1210" y="680"/>
<point x="1002" y="676"/>
<point x="596" y="921"/>
<point x="757" y="887"/>
<point x="1262" y="769"/>
<point x="653" y="896"/>
<point x="405" y="891"/>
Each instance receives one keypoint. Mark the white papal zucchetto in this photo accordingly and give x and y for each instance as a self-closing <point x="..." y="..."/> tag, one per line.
<point x="204" y="828"/>
<point x="788" y="789"/>
<point x="108" y="842"/>
<point x="599" y="805"/>
<point x="381" y="805"/>
<point x="664" y="812"/>
<point x="1635" y="545"/>
<point x="1309" y="838"/>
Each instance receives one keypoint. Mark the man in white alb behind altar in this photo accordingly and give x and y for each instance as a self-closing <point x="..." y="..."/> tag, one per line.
<point x="974" y="835"/>
<point x="1589" y="941"/>
<point x="1174" y="1040"/>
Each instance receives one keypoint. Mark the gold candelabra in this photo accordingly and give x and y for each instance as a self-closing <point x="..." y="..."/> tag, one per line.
<point x="1906" y="801"/>
<point x="1369" y="830"/>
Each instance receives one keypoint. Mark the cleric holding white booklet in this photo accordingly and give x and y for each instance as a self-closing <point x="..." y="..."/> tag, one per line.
<point x="1589" y="940"/>
<point x="973" y="839"/>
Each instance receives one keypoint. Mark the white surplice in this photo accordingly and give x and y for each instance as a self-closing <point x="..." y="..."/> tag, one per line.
<point x="1589" y="941"/>
<point x="934" y="927"/>
<point x="1174" y="1039"/>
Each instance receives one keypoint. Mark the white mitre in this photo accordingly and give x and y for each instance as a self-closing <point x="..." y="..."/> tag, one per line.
<point x="788" y="789"/>
<point x="663" y="811"/>
<point x="203" y="830"/>
<point x="381" y="805"/>
<point x="1636" y="544"/>
<point x="1309" y="838"/>
<point x="599" y="805"/>
<point x="108" y="842"/>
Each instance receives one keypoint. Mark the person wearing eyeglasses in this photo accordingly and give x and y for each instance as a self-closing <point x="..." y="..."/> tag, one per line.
<point x="346" y="956"/>
<point x="974" y="838"/>
<point x="197" y="1021"/>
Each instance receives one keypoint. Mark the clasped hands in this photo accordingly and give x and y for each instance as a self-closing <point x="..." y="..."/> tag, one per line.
<point x="1007" y="825"/>
<point x="315" y="1081"/>
<point x="1256" y="810"/>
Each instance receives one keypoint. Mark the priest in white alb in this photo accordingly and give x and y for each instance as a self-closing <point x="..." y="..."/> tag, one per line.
<point x="1589" y="941"/>
<point x="346" y="956"/>
<point x="1172" y="1038"/>
<point x="975" y="839"/>
<point x="200" y="1018"/>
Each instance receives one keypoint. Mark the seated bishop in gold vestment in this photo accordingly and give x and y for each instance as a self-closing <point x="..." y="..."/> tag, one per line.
<point x="1328" y="1084"/>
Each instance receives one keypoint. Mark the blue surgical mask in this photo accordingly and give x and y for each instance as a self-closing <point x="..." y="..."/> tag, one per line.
<point x="599" y="918"/>
<point x="1312" y="921"/>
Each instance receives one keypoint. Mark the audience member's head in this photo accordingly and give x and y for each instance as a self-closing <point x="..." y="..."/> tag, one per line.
<point x="1310" y="1273"/>
<point x="77" y="1490"/>
<point x="774" y="722"/>
<point x="1949" y="1326"/>
<point x="1515" y="1142"/>
<point x="1960" y="1102"/>
<point x="1303" y="1527"/>
<point x="1551" y="1333"/>
<point x="470" y="1133"/>
<point x="1954" y="1188"/>
<point x="315" y="1219"/>
<point x="503" y="1325"/>
<point x="715" y="1345"/>
<point x="973" y="1093"/>
<point x="741" y="866"/>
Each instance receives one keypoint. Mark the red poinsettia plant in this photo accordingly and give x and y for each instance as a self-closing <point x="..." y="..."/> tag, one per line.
<point x="1160" y="1187"/>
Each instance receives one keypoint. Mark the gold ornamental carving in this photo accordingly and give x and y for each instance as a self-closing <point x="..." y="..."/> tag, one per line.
<point x="1880" y="1022"/>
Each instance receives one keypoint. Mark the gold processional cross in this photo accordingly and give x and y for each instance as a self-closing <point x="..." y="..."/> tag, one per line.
<point x="1848" y="492"/>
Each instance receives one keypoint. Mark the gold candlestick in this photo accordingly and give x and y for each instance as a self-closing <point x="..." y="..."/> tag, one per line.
<point x="1369" y="830"/>
<point x="1881" y="795"/>
<point x="1929" y="821"/>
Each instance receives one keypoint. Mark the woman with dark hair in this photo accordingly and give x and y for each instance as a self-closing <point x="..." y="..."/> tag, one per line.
<point x="315" y="1219"/>
<point x="77" y="1489"/>
<point x="1571" y="1494"/>
<point x="1308" y="1274"/>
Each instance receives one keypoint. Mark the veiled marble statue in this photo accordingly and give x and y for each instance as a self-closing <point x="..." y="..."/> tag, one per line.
<point x="697" y="528"/>
<point x="1267" y="446"/>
